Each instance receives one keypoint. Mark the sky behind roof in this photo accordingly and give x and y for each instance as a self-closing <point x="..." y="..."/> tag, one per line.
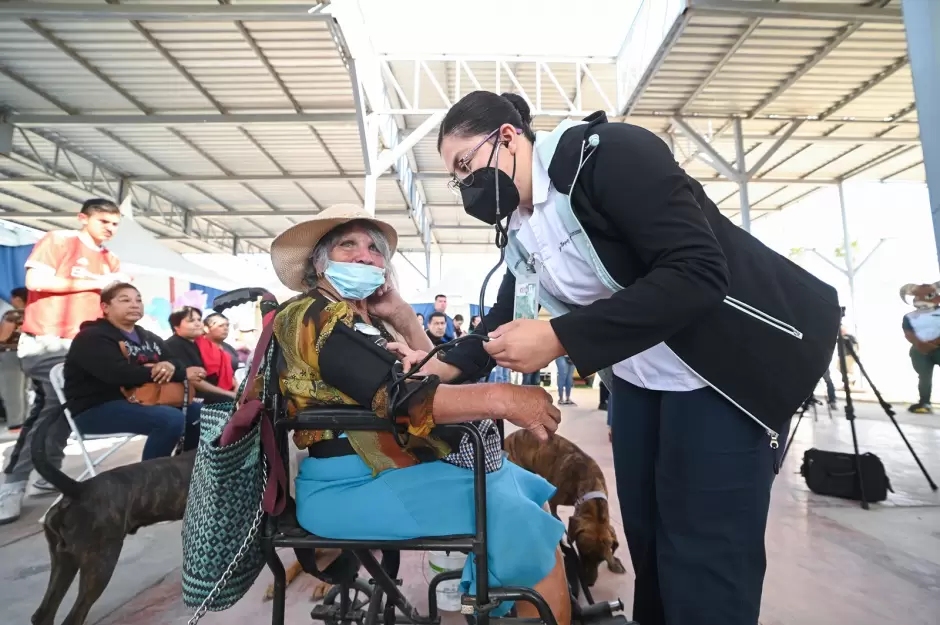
<point x="490" y="27"/>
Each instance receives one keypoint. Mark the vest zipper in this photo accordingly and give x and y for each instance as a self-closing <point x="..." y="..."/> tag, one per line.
<point x="774" y="436"/>
<point x="760" y="315"/>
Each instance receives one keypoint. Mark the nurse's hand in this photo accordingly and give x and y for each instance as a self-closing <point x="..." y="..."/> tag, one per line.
<point x="524" y="345"/>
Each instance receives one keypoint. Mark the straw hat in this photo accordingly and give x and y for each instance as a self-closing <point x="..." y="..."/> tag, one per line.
<point x="291" y="249"/>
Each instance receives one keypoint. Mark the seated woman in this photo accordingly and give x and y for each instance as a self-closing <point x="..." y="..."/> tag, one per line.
<point x="341" y="261"/>
<point x="217" y="329"/>
<point x="182" y="347"/>
<point x="96" y="368"/>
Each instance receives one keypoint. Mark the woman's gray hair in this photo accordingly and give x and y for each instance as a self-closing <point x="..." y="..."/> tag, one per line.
<point x="316" y="264"/>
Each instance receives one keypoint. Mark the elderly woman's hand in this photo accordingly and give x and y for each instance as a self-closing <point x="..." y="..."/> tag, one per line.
<point x="410" y="357"/>
<point x="387" y="303"/>
<point x="531" y="408"/>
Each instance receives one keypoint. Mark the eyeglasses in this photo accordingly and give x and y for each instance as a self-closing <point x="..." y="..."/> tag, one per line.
<point x="455" y="184"/>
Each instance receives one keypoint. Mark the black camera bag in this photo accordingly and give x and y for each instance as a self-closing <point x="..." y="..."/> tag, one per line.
<point x="834" y="474"/>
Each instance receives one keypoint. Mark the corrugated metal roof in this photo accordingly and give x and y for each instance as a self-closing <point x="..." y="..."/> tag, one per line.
<point x="148" y="80"/>
<point x="846" y="81"/>
<point x="281" y="63"/>
<point x="849" y="77"/>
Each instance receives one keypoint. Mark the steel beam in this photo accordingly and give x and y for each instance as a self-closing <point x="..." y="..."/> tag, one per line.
<point x="365" y="144"/>
<point x="875" y="162"/>
<point x="6" y="138"/>
<point x="54" y="170"/>
<point x="825" y="11"/>
<point x="853" y="15"/>
<point x="369" y="86"/>
<point x="717" y="161"/>
<point x="509" y="72"/>
<point x="922" y="23"/>
<point x="867" y="86"/>
<point x="787" y="134"/>
<point x="12" y="183"/>
<point x="853" y="139"/>
<point x="197" y="179"/>
<point x="847" y="244"/>
<point x="846" y="32"/>
<point x="388" y="157"/>
<point x="174" y="120"/>
<point x="729" y="54"/>
<point x="742" y="176"/>
<point x="90" y="179"/>
<point x="631" y="99"/>
<point x="160" y="12"/>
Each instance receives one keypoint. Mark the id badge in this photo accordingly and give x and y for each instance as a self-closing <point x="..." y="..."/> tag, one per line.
<point x="526" y="300"/>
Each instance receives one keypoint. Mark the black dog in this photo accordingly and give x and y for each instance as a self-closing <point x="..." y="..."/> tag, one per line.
<point x="86" y="528"/>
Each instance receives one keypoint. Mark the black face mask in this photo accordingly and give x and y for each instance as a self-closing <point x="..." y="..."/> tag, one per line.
<point x="492" y="195"/>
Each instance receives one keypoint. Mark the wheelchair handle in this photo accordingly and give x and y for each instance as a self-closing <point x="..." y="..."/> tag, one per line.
<point x="237" y="297"/>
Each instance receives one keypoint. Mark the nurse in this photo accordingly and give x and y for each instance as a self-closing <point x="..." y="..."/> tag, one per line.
<point x="707" y="339"/>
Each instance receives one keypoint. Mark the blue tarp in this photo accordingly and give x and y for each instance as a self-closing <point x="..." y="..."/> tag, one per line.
<point x="475" y="310"/>
<point x="210" y="292"/>
<point x="12" y="268"/>
<point x="427" y="309"/>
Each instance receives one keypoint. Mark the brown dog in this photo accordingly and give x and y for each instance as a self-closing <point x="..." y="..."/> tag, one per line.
<point x="579" y="483"/>
<point x="294" y="570"/>
<point x="86" y="528"/>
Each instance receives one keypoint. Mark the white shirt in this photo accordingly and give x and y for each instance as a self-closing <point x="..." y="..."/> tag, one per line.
<point x="570" y="278"/>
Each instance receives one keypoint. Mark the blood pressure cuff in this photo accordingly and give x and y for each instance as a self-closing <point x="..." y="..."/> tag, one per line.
<point x="355" y="365"/>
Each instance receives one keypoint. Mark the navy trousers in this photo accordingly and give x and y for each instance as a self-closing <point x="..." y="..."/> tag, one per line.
<point x="693" y="477"/>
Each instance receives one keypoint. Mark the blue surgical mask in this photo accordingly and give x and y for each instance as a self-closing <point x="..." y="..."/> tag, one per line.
<point x="354" y="281"/>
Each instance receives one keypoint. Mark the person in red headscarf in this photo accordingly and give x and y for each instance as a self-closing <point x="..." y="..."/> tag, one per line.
<point x="217" y="360"/>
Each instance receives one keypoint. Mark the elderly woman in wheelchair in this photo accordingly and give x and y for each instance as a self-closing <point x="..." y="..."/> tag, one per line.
<point x="376" y="485"/>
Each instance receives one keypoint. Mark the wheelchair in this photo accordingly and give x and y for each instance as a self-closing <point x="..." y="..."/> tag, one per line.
<point x="379" y="600"/>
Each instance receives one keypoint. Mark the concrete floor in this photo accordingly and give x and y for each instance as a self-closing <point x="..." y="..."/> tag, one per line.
<point x="829" y="561"/>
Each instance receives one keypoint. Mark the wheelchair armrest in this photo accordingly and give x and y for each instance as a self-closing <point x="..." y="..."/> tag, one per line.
<point x="349" y="418"/>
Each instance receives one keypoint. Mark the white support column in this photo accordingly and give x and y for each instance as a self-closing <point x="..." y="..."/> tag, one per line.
<point x="847" y="244"/>
<point x="743" y="176"/>
<point x="389" y="157"/>
<point x="427" y="254"/>
<point x="922" y="25"/>
<point x="369" y="196"/>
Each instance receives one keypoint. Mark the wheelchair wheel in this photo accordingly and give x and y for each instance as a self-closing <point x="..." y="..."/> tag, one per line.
<point x="345" y="604"/>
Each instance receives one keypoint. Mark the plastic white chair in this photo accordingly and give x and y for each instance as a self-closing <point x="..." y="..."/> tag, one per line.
<point x="240" y="374"/>
<point x="57" y="378"/>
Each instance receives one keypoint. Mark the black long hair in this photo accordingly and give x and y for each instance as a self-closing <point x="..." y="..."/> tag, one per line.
<point x="482" y="112"/>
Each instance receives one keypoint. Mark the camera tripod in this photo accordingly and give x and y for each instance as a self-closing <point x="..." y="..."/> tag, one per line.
<point x="846" y="349"/>
<point x="809" y="403"/>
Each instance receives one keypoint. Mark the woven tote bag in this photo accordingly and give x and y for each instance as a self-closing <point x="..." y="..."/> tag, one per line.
<point x="229" y="494"/>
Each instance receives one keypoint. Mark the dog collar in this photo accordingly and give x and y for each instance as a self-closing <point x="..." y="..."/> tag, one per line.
<point x="594" y="494"/>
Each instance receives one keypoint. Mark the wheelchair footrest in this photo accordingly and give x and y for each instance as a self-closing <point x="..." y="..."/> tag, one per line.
<point x="616" y="619"/>
<point x="331" y="614"/>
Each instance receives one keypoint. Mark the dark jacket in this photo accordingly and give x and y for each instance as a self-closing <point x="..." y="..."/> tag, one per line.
<point x="96" y="369"/>
<point x="187" y="354"/>
<point x="678" y="257"/>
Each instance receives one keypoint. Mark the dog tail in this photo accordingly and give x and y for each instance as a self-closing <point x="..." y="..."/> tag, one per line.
<point x="52" y="474"/>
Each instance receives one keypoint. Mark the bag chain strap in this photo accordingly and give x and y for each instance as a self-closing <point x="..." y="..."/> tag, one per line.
<point x="223" y="581"/>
